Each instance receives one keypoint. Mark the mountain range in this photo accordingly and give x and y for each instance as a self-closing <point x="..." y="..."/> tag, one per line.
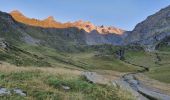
<point x="49" y="32"/>
<point x="50" y="22"/>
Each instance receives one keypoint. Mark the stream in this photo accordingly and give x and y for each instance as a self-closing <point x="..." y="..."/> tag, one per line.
<point x="143" y="93"/>
<point x="130" y="83"/>
<point x="139" y="89"/>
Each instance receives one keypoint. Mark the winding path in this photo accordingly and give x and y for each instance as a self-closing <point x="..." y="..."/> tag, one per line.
<point x="149" y="93"/>
<point x="142" y="91"/>
<point x="130" y="83"/>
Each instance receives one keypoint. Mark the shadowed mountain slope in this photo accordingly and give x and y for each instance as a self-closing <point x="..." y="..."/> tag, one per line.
<point x="152" y="31"/>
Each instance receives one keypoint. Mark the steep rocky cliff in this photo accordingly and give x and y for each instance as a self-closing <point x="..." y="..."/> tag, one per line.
<point x="151" y="31"/>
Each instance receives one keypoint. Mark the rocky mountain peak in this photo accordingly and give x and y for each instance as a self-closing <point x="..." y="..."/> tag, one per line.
<point x="15" y="12"/>
<point x="50" y="19"/>
<point x="88" y="27"/>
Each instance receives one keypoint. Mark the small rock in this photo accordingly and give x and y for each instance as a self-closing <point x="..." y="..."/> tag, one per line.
<point x="95" y="78"/>
<point x="114" y="83"/>
<point x="168" y="43"/>
<point x="19" y="92"/>
<point x="2" y="45"/>
<point x="66" y="87"/>
<point x="4" y="91"/>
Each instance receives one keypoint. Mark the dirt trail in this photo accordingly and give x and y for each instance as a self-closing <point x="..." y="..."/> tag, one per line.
<point x="135" y="84"/>
<point x="149" y="93"/>
<point x="130" y="83"/>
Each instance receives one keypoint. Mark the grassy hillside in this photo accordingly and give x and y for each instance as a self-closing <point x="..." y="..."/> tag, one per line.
<point x="158" y="62"/>
<point x="46" y="84"/>
<point x="85" y="57"/>
<point x="42" y="71"/>
<point x="36" y="46"/>
<point x="160" y="73"/>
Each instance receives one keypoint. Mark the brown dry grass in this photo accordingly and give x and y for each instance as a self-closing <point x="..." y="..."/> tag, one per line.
<point x="7" y="68"/>
<point x="30" y="82"/>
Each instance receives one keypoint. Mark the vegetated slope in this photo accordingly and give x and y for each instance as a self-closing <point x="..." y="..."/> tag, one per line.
<point x="161" y="72"/>
<point x="157" y="61"/>
<point x="65" y="47"/>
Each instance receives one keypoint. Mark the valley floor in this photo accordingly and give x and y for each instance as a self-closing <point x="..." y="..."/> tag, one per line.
<point x="56" y="75"/>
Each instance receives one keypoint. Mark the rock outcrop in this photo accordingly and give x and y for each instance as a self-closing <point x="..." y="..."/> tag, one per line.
<point x="8" y="92"/>
<point x="95" y="78"/>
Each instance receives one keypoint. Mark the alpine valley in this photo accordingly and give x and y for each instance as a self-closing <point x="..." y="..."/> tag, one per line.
<point x="50" y="60"/>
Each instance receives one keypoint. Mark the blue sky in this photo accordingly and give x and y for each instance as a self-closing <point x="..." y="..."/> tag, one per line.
<point x="124" y="14"/>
